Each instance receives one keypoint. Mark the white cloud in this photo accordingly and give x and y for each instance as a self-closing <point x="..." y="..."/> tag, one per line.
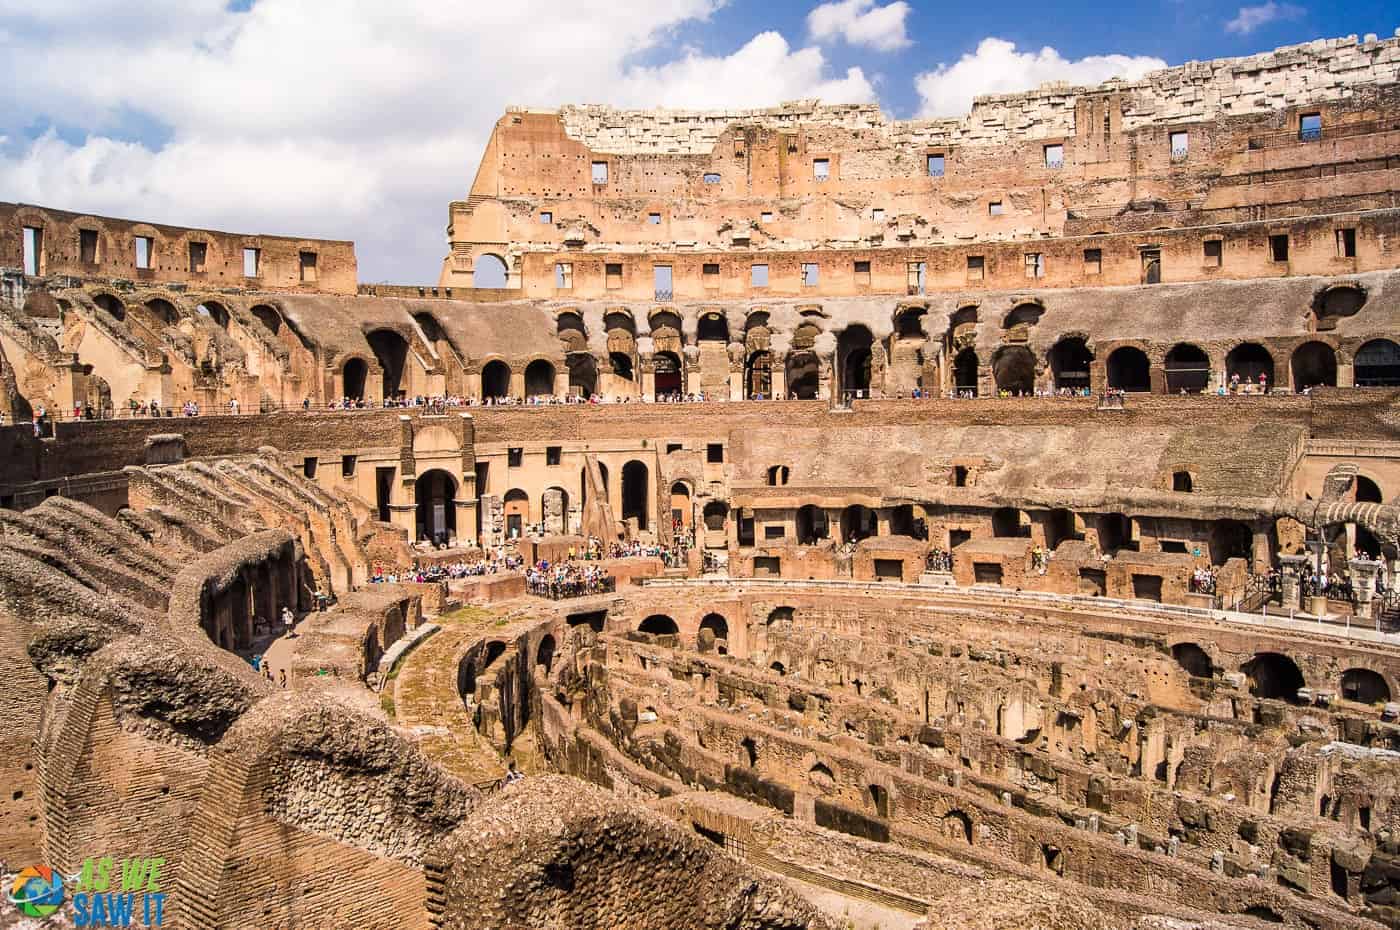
<point x="998" y="68"/>
<point x="363" y="124"/>
<point x="1251" y="18"/>
<point x="861" y="22"/>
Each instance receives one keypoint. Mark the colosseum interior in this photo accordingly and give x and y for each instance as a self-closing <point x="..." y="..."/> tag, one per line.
<point x="960" y="523"/>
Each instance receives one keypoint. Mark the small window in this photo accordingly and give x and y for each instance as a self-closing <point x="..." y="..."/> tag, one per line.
<point x="600" y="172"/>
<point x="33" y="249"/>
<point x="959" y="476"/>
<point x="1310" y="127"/>
<point x="251" y="262"/>
<point x="821" y="168"/>
<point x="514" y="456"/>
<point x="711" y="177"/>
<point x="765" y="217"/>
<point x="1346" y="243"/>
<point x="1181" y="481"/>
<point x="710" y="274"/>
<point x="672" y="447"/>
<point x="1278" y="247"/>
<point x="714" y="453"/>
<point x="199" y="256"/>
<point x="1035" y="265"/>
<point x="810" y="274"/>
<point x="564" y="275"/>
<point x="654" y="219"/>
<point x="547" y="218"/>
<point x="1151" y="266"/>
<point x="661" y="281"/>
<point x="553" y="454"/>
<point x="994" y="208"/>
<point x="878" y="215"/>
<point x="1054" y="156"/>
<point x="976" y="267"/>
<point x="1212" y="251"/>
<point x="306" y="261"/>
<point x="915" y="272"/>
<point x="1180" y="145"/>
<point x="863" y="273"/>
<point x="935" y="166"/>
<point x="87" y="246"/>
<point x="774" y="531"/>
<point x="1175" y="546"/>
<point x="613" y="273"/>
<point x="145" y="252"/>
<point x="308" y="466"/>
<point x="347" y="466"/>
<point x="1093" y="261"/>
<point x="758" y="276"/>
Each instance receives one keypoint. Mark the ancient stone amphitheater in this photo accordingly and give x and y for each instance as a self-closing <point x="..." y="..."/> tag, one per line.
<point x="998" y="519"/>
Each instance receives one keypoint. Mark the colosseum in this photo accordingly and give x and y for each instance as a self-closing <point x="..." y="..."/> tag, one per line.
<point x="783" y="518"/>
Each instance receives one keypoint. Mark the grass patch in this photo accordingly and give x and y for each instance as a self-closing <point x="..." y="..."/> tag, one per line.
<point x="386" y="701"/>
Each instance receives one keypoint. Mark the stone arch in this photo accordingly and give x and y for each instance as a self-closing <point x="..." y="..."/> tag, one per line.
<point x="1070" y="360"/>
<point x="715" y="514"/>
<point x="112" y="304"/>
<point x="572" y="332"/>
<point x="539" y="379"/>
<point x="812" y="525"/>
<point x="1129" y="370"/>
<point x="1248" y="361"/>
<point x="1336" y="302"/>
<point x="515" y="509"/>
<point x="562" y="525"/>
<point x="855" y="355"/>
<point x="803" y="370"/>
<point x="495" y="379"/>
<point x="213" y="310"/>
<point x="719" y="626"/>
<point x="583" y="372"/>
<point x="268" y="317"/>
<point x="909" y="322"/>
<point x="957" y="825"/>
<point x="669" y="373"/>
<point x="1377" y="364"/>
<point x="489" y="271"/>
<point x="659" y="625"/>
<point x="634" y="492"/>
<point x="777" y="475"/>
<point x="1193" y="660"/>
<point x="965" y="366"/>
<point x="354" y="374"/>
<point x="1187" y="369"/>
<point x="682" y="514"/>
<point x="1313" y="364"/>
<point x="391" y="350"/>
<point x="1367" y="491"/>
<point x="712" y="327"/>
<point x="781" y="614"/>
<point x="434" y="494"/>
<point x="163" y="311"/>
<point x="1273" y="675"/>
<point x="1013" y="369"/>
<point x="820" y="776"/>
<point x="1365" y="686"/>
<point x="544" y="654"/>
<point x="1230" y="539"/>
<point x="1008" y="522"/>
<point x="858" y="522"/>
<point x="758" y="374"/>
<point x="1025" y="313"/>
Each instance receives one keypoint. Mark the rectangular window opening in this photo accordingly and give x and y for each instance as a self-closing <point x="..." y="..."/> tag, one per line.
<point x="515" y="455"/>
<point x="1278" y="247"/>
<point x="33" y="249"/>
<point x="758" y="276"/>
<point x="661" y="281"/>
<point x="1093" y="261"/>
<point x="251" y="262"/>
<point x="145" y="252"/>
<point x="976" y="267"/>
<point x="714" y="453"/>
<point x="1054" y="156"/>
<point x="613" y="274"/>
<point x="774" y="531"/>
<point x="199" y="256"/>
<point x="547" y="218"/>
<point x="765" y="217"/>
<point x="1035" y="265"/>
<point x="935" y="166"/>
<point x="347" y="466"/>
<point x="810" y="273"/>
<point x="916" y="278"/>
<point x="877" y="215"/>
<point x="654" y="219"/>
<point x="994" y="208"/>
<point x="87" y="246"/>
<point x="1310" y="127"/>
<point x="553" y="455"/>
<point x="711" y="177"/>
<point x="306" y="261"/>
<point x="862" y="273"/>
<point x="600" y="172"/>
<point x="564" y="275"/>
<point x="1213" y="253"/>
<point x="1346" y="243"/>
<point x="821" y="168"/>
<point x="1180" y="145"/>
<point x="709" y="273"/>
<point x="308" y="466"/>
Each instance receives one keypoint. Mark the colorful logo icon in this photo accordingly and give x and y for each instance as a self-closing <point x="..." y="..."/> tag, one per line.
<point x="37" y="891"/>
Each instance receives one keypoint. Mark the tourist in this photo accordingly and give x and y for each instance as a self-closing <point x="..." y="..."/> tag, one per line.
<point x="289" y="622"/>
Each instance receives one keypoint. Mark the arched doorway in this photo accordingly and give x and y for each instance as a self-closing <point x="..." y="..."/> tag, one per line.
<point x="712" y="327"/>
<point x="1367" y="491"/>
<point x="659" y="625"/>
<point x="268" y="317"/>
<point x="812" y="526"/>
<point x="495" y="380"/>
<point x="545" y="654"/>
<point x="1364" y="686"/>
<point x="668" y="373"/>
<point x="214" y="311"/>
<point x="353" y="378"/>
<point x="1129" y="371"/>
<point x="583" y="373"/>
<point x="1230" y="539"/>
<point x="554" y="511"/>
<point x="1070" y="359"/>
<point x="1193" y="660"/>
<point x="621" y="366"/>
<point x="1013" y="368"/>
<point x="434" y="493"/>
<point x="854" y="351"/>
<point x="1314" y="364"/>
<point x="858" y="522"/>
<point x="1188" y="369"/>
<point x="634" y="493"/>
<point x="1378" y="364"/>
<point x="391" y="350"/>
<point x="682" y="515"/>
<point x="515" y="507"/>
<point x="489" y="271"/>
<point x="112" y="305"/>
<point x="758" y="375"/>
<point x="717" y="625"/>
<point x="1247" y="362"/>
<point x="965" y="367"/>
<point x="1273" y="676"/>
<point x="539" y="379"/>
<point x="803" y="375"/>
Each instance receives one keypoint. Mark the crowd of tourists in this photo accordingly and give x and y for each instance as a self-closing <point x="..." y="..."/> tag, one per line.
<point x="1204" y="580"/>
<point x="495" y="561"/>
<point x="938" y="560"/>
<point x="568" y="579"/>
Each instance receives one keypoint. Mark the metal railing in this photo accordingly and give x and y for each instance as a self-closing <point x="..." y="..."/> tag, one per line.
<point x="663" y="295"/>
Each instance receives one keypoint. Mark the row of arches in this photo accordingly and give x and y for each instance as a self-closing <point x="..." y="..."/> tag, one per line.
<point x="1275" y="676"/>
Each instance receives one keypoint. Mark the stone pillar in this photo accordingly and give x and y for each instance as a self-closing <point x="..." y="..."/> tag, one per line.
<point x="1363" y="579"/>
<point x="554" y="514"/>
<point x="493" y="520"/>
<point x="1317" y="605"/>
<point x="1290" y="587"/>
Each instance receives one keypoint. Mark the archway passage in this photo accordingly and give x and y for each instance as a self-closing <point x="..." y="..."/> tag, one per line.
<point x="1188" y="369"/>
<point x="391" y="350"/>
<point x="1193" y="660"/>
<point x="1248" y="362"/>
<point x="434" y="493"/>
<point x="1069" y="363"/>
<point x="668" y="373"/>
<point x="583" y="373"/>
<point x="717" y="625"/>
<point x="1367" y="491"/>
<point x="489" y="271"/>
<point x="268" y="317"/>
<point x="353" y="379"/>
<point x="1230" y="539"/>
<point x="957" y="826"/>
<point x="634" y="493"/>
<point x="515" y="507"/>
<point x="1378" y="364"/>
<point x="659" y="625"/>
<point x="1314" y="364"/>
<point x="112" y="305"/>
<point x="803" y="376"/>
<point x="858" y="522"/>
<point x="621" y="365"/>
<point x="1129" y="371"/>
<point x="1364" y="686"/>
<point x="758" y="375"/>
<point x="214" y="311"/>
<point x="545" y="654"/>
<point x="1273" y="676"/>
<point x="965" y="372"/>
<point x="682" y="516"/>
<point x="812" y="526"/>
<point x="713" y="327"/>
<point x="539" y="379"/>
<point x="1013" y="367"/>
<point x="495" y="380"/>
<point x="854" y="351"/>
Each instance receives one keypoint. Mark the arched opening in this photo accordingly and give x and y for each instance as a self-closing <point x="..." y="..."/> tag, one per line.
<point x="391" y="350"/>
<point x="854" y="351"/>
<point x="515" y="508"/>
<point x="659" y="625"/>
<point x="717" y="625"/>
<point x="495" y="380"/>
<point x="163" y="311"/>
<point x="634" y="493"/>
<point x="1250" y="363"/>
<point x="1230" y="539"/>
<point x="621" y="366"/>
<point x="434" y="493"/>
<point x="779" y="668"/>
<point x="758" y="375"/>
<point x="965" y="367"/>
<point x="777" y="476"/>
<point x="1193" y="660"/>
<point x="353" y="378"/>
<point x="268" y="317"/>
<point x="1364" y="686"/>
<point x="712" y="327"/>
<point x="858" y="522"/>
<point x="554" y="510"/>
<point x="489" y="271"/>
<point x="1059" y="526"/>
<point x="568" y="325"/>
<point x="957" y="826"/>
<point x="1335" y="303"/>
<point x="880" y="800"/>
<point x="1070" y="359"/>
<point x="1188" y="369"/>
<point x="1314" y="364"/>
<point x="1023" y="315"/>
<point x="909" y="323"/>
<point x="782" y="615"/>
<point x="112" y="305"/>
<point x="1183" y="482"/>
<point x="545" y="654"/>
<point x="812" y="525"/>
<point x="821" y="777"/>
<point x="803" y="375"/>
<point x="539" y="379"/>
<point x="668" y="373"/>
<point x="466" y="683"/>
<point x="1013" y="368"/>
<point x="681" y="514"/>
<point x="1007" y="522"/>
<point x="431" y="328"/>
<point x="1128" y="370"/>
<point x="1274" y="676"/>
<point x="714" y="515"/>
<point x="1377" y="364"/>
<point x="1367" y="543"/>
<point x="214" y="311"/>
<point x="583" y="373"/>
<point x="748" y="752"/>
<point x="1367" y="491"/>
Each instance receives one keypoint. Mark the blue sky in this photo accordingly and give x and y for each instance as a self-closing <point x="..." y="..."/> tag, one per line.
<point x="358" y="119"/>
